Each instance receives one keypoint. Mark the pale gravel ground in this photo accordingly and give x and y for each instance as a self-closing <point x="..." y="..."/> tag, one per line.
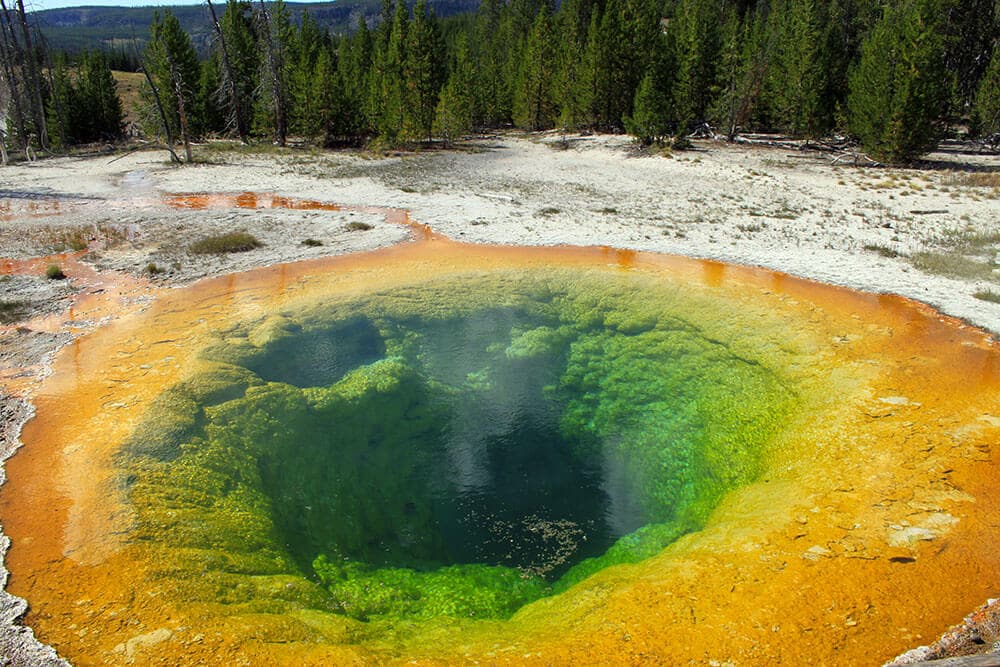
<point x="772" y="207"/>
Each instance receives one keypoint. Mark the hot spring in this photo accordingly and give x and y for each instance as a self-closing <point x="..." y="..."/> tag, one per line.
<point x="442" y="452"/>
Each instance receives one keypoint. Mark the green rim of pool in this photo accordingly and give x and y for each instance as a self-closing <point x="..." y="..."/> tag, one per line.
<point x="460" y="447"/>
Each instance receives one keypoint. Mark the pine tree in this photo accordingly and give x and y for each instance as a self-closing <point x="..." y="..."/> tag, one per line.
<point x="208" y="108"/>
<point x="99" y="96"/>
<point x="650" y="119"/>
<point x="62" y="104"/>
<point x="241" y="45"/>
<point x="897" y="102"/>
<point x="971" y="27"/>
<point x="354" y="64"/>
<point x="492" y="97"/>
<point x="986" y="110"/>
<point x="796" y="75"/>
<point x="424" y="71"/>
<point x="172" y="64"/>
<point x="732" y="104"/>
<point x="275" y="34"/>
<point x="573" y="74"/>
<point x="534" y="102"/>
<point x="695" y="29"/>
<point x="388" y="84"/>
<point x="454" y="114"/>
<point x="607" y="55"/>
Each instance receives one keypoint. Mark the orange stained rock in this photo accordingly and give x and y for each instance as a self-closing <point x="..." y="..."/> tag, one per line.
<point x="872" y="530"/>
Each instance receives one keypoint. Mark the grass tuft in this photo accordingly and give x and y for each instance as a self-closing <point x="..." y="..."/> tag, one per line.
<point x="13" y="311"/>
<point x="883" y="250"/>
<point x="951" y="264"/>
<point x="312" y="243"/>
<point x="988" y="295"/>
<point x="225" y="243"/>
<point x="54" y="272"/>
<point x="358" y="226"/>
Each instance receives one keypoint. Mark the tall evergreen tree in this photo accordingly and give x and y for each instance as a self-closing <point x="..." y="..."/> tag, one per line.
<point x="796" y="72"/>
<point x="743" y="68"/>
<point x="98" y="99"/>
<point x="456" y="106"/>
<point x="650" y="119"/>
<point x="534" y="102"/>
<point x="244" y="63"/>
<point x="986" y="110"/>
<point x="696" y="31"/>
<point x="354" y="65"/>
<point x="608" y="59"/>
<point x="275" y="33"/>
<point x="573" y="76"/>
<point x="897" y="102"/>
<point x="424" y="71"/>
<point x="209" y="101"/>
<point x="971" y="27"/>
<point x="388" y="85"/>
<point x="62" y="104"/>
<point x="492" y="105"/>
<point x="172" y="64"/>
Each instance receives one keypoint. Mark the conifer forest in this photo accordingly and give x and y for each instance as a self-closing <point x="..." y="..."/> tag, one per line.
<point x="896" y="76"/>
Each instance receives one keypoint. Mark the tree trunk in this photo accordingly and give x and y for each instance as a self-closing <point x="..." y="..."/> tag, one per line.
<point x="9" y="52"/>
<point x="234" y="104"/>
<point x="159" y="104"/>
<point x="181" y="111"/>
<point x="34" y="80"/>
<point x="277" y="93"/>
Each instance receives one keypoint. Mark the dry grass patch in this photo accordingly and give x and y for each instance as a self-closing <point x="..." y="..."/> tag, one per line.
<point x="953" y="265"/>
<point x="883" y="250"/>
<point x="988" y="295"/>
<point x="225" y="243"/>
<point x="13" y="311"/>
<point x="974" y="179"/>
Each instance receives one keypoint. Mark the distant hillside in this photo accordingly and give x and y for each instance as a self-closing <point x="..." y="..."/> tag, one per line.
<point x="77" y="28"/>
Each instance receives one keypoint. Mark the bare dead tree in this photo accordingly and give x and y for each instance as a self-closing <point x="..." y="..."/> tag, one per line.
<point x="10" y="53"/>
<point x="274" y="62"/>
<point x="34" y="79"/>
<point x="235" y="108"/>
<point x="159" y="103"/>
<point x="175" y="77"/>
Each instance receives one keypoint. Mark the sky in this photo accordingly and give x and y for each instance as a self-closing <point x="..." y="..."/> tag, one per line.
<point x="38" y="5"/>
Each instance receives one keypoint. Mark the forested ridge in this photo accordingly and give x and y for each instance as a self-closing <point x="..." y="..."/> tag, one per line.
<point x="895" y="75"/>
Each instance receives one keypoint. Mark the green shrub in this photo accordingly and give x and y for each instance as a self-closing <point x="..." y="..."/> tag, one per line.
<point x="312" y="243"/>
<point x="358" y="226"/>
<point x="54" y="272"/>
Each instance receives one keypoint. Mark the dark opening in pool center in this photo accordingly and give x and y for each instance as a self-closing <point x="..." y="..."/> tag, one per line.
<point x="440" y="451"/>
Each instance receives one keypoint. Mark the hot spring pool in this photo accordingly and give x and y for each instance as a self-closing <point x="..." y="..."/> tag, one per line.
<point x="442" y="452"/>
